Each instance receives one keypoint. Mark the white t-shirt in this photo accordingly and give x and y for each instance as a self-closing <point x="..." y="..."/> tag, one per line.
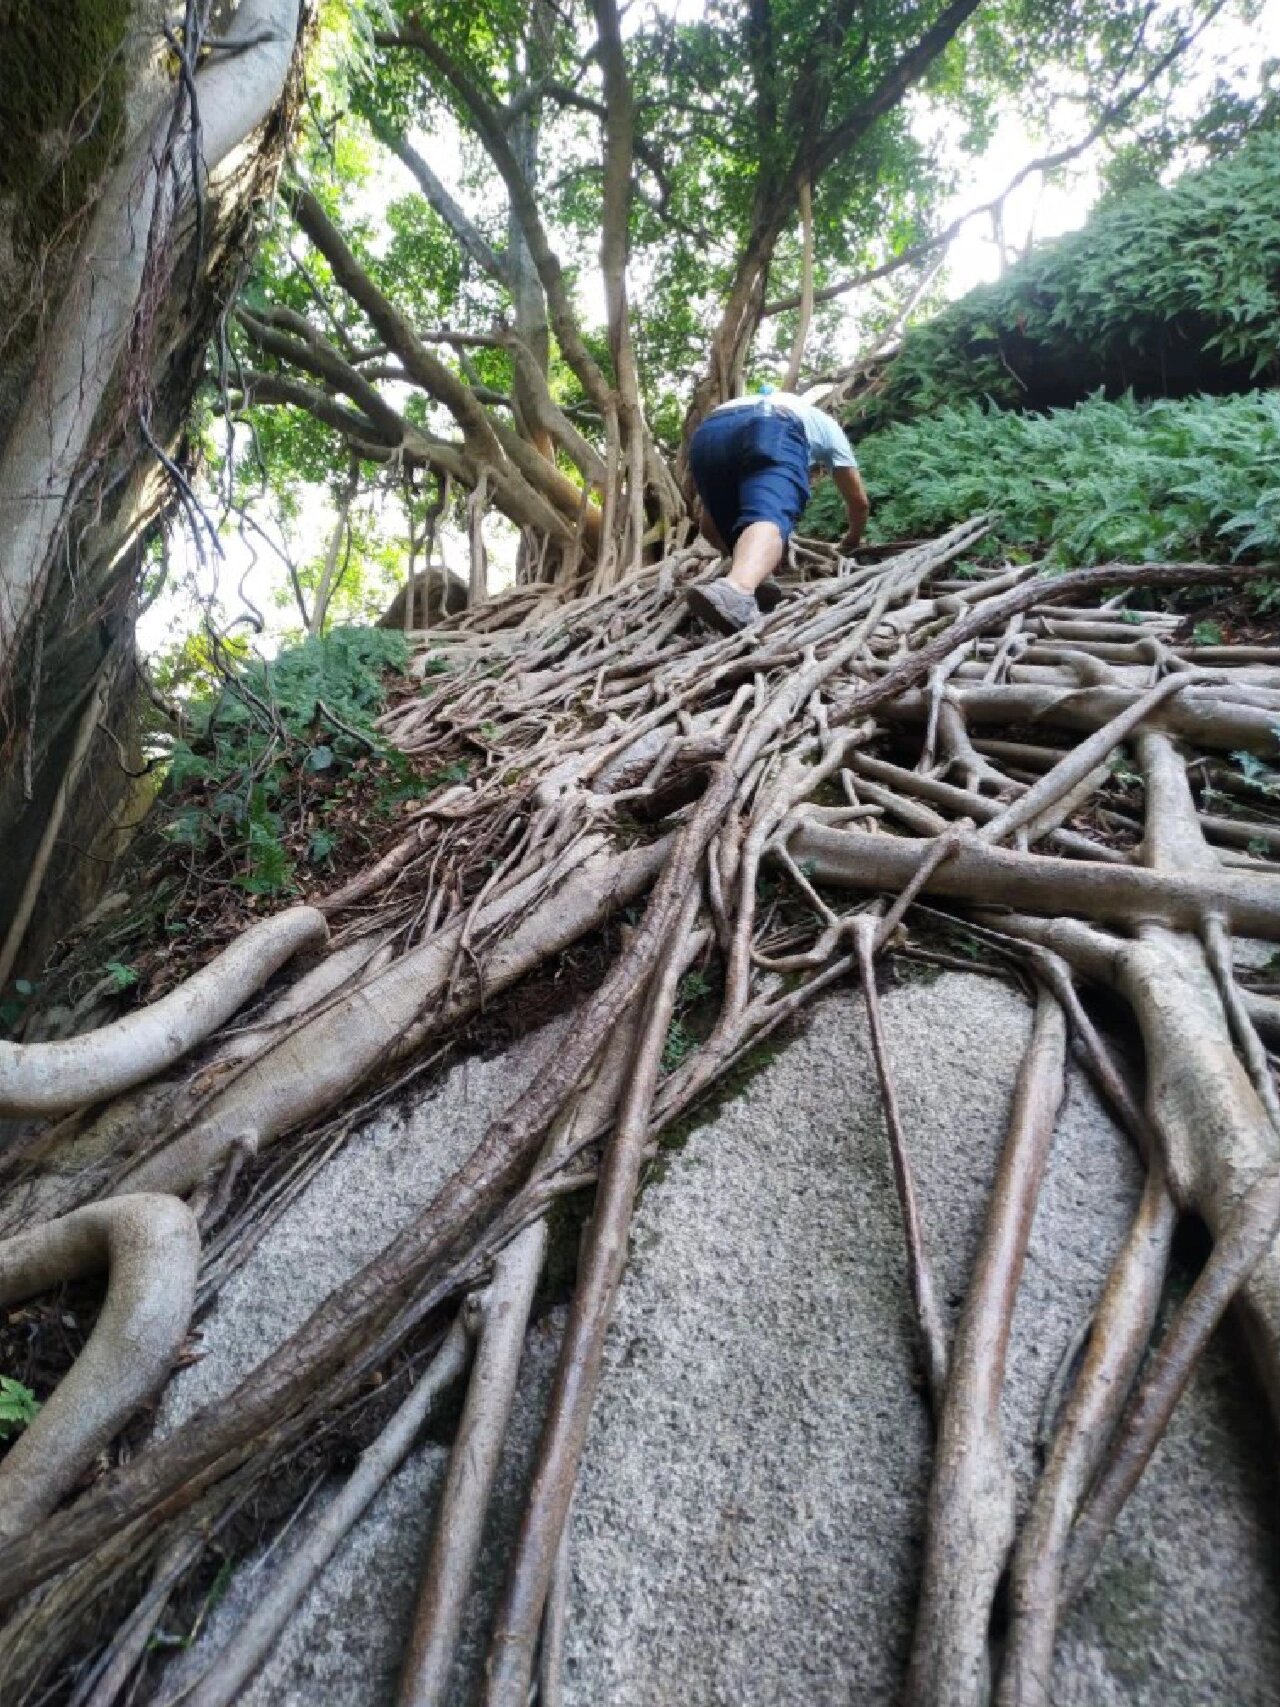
<point x="828" y="446"/>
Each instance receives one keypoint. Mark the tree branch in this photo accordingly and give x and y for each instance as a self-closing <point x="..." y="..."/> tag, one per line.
<point x="892" y="87"/>
<point x="1043" y="163"/>
<point x="468" y="234"/>
<point x="489" y="127"/>
<point x="484" y="439"/>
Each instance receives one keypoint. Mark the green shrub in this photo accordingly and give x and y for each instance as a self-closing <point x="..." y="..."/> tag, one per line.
<point x="304" y="715"/>
<point x="1106" y="481"/>
<point x="1153" y="275"/>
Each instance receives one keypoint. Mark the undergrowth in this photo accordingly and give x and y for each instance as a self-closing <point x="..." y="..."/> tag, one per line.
<point x="1154" y="277"/>
<point x="18" y="1407"/>
<point x="276" y="754"/>
<point x="1106" y="481"/>
<point x="280" y="789"/>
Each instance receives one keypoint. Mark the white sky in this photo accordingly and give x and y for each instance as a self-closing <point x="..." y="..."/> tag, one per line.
<point x="1229" y="44"/>
<point x="972" y="257"/>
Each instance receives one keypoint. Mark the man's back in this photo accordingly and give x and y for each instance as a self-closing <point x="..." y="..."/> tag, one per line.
<point x="828" y="446"/>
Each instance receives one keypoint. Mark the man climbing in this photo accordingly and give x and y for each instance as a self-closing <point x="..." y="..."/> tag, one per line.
<point x="750" y="461"/>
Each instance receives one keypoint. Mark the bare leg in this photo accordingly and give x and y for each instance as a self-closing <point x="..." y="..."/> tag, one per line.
<point x="756" y="555"/>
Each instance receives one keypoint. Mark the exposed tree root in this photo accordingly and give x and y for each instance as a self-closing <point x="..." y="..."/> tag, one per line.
<point x="1236" y="1254"/>
<point x="988" y="876"/>
<point x="971" y="1516"/>
<point x="473" y="1464"/>
<point x="50" y="1078"/>
<point x="234" y="1667"/>
<point x="924" y="1294"/>
<point x="319" y="1061"/>
<point x="513" y="1648"/>
<point x="1119" y="1336"/>
<point x="618" y="759"/>
<point x="149" y="1247"/>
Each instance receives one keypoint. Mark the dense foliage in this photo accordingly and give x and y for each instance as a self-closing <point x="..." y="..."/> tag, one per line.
<point x="522" y="249"/>
<point x="270" y="767"/>
<point x="1119" y="480"/>
<point x="1167" y="290"/>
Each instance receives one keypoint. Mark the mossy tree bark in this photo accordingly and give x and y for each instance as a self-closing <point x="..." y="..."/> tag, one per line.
<point x="112" y="291"/>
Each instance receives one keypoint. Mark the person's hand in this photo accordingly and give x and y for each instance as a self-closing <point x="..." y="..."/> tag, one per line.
<point x="851" y="541"/>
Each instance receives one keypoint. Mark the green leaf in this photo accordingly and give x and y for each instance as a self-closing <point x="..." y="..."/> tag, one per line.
<point x="122" y="976"/>
<point x="680" y="1043"/>
<point x="1207" y="634"/>
<point x="320" y="758"/>
<point x="1256" y="774"/>
<point x="18" y="1407"/>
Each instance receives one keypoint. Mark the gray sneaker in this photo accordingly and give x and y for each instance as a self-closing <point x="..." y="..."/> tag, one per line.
<point x="723" y="607"/>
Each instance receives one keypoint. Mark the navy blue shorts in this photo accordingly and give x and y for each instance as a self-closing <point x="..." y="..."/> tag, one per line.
<point x="751" y="464"/>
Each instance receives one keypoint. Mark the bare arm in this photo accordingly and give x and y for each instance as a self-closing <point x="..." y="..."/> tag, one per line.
<point x="857" y="504"/>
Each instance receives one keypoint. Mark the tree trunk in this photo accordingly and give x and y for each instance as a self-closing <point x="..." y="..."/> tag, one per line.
<point x="130" y="280"/>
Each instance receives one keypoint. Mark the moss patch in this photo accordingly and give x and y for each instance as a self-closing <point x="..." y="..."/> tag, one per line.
<point x="727" y="1089"/>
<point x="62" y="102"/>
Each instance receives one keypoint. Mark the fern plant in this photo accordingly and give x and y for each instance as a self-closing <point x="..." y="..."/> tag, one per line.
<point x="18" y="1407"/>
<point x="309" y="710"/>
<point x="1106" y="481"/>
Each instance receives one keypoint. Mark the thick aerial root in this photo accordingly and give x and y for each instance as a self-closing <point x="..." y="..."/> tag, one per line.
<point x="221" y="1685"/>
<point x="150" y="1248"/>
<point x="888" y="784"/>
<point x="970" y="1518"/>
<point x="987" y="876"/>
<point x="1235" y="1254"/>
<point x="593" y="720"/>
<point x="1077" y="767"/>
<point x="1217" y="1136"/>
<point x="178" y="1469"/>
<point x="320" y="1062"/>
<point x="1119" y="1337"/>
<point x="511" y="1656"/>
<point x="473" y="1459"/>
<point x="51" y="1078"/>
<point x="473" y="1464"/>
<point x="1201" y="715"/>
<point x="356" y="962"/>
<point x="1219" y="1144"/>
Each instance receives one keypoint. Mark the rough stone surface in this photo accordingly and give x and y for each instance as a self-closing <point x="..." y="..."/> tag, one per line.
<point x="748" y="1525"/>
<point x="382" y="1178"/>
<point x="345" y="1644"/>
<point x="748" y="1530"/>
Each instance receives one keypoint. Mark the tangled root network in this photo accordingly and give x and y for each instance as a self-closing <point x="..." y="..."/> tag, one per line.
<point x="900" y="751"/>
